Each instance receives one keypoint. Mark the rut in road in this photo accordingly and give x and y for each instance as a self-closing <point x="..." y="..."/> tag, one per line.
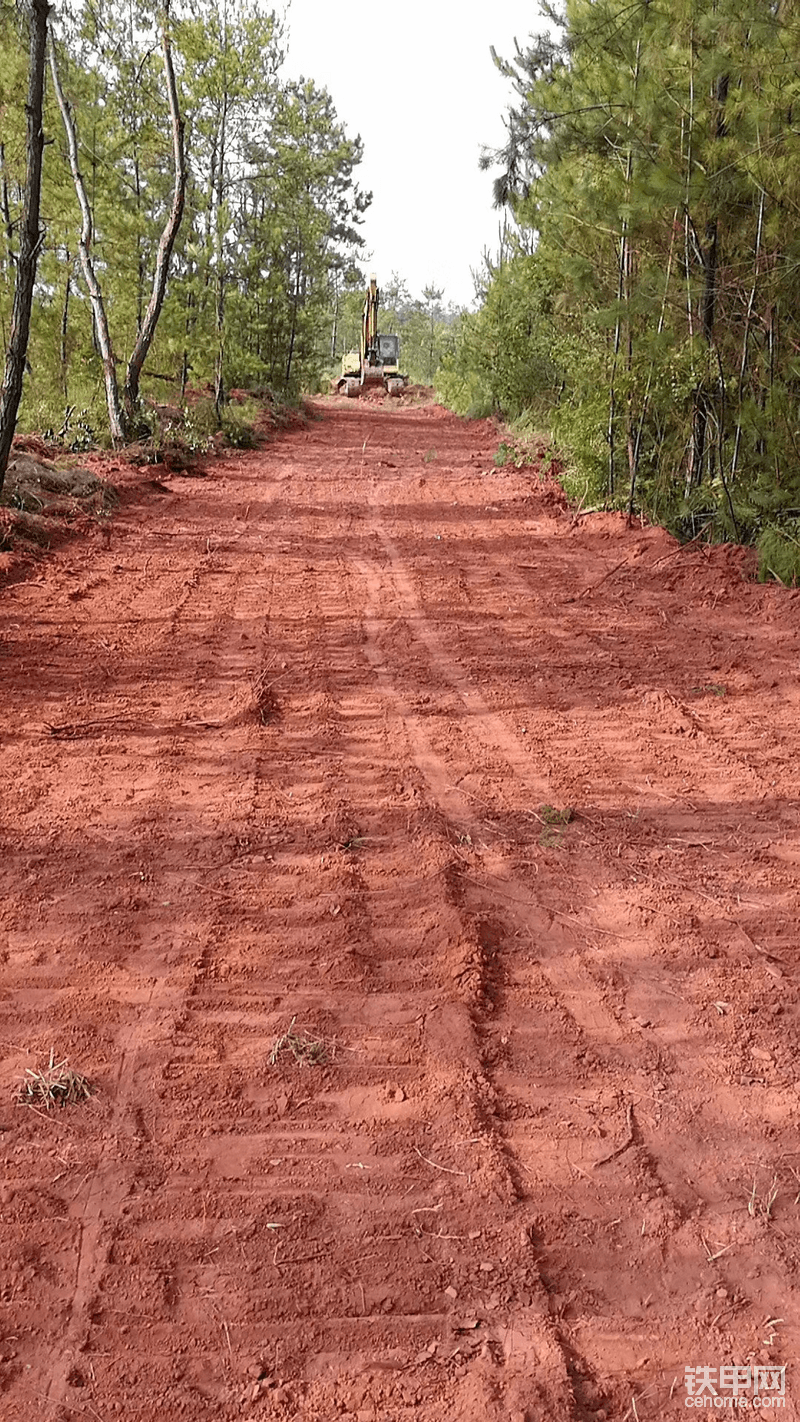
<point x="513" y="832"/>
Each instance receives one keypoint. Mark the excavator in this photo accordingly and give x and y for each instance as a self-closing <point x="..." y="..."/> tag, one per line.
<point x="378" y="360"/>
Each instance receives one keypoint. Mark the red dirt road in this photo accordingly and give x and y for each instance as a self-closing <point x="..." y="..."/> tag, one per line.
<point x="552" y="1158"/>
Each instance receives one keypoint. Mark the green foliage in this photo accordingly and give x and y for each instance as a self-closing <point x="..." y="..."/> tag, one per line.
<point x="515" y="452"/>
<point x="239" y="426"/>
<point x="501" y="358"/>
<point x="198" y="427"/>
<point x="778" y="549"/>
<point x="503" y="455"/>
<point x="644" y="308"/>
<point x="270" y="226"/>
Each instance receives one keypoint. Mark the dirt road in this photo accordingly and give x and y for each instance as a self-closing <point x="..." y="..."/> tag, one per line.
<point x="509" y="837"/>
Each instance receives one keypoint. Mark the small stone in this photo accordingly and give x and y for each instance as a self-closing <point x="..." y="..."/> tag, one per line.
<point x="399" y="1094"/>
<point x="474" y="1234"/>
<point x="486" y="1267"/>
<point x="451" y="1292"/>
<point x="721" y="1293"/>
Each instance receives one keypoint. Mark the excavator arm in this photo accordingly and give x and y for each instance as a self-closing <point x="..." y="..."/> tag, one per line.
<point x="369" y="323"/>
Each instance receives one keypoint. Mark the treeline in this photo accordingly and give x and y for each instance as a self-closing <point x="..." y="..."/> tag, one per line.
<point x="647" y="302"/>
<point x="198" y="214"/>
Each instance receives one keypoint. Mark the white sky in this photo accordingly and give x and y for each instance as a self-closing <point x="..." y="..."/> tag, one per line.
<point x="415" y="78"/>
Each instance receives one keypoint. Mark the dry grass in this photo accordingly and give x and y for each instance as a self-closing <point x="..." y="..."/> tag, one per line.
<point x="264" y="700"/>
<point x="759" y="1206"/>
<point x="305" y="1048"/>
<point x="53" y="1085"/>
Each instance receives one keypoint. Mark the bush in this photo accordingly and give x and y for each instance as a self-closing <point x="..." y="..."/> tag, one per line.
<point x="463" y="391"/>
<point x="239" y="430"/>
<point x="778" y="548"/>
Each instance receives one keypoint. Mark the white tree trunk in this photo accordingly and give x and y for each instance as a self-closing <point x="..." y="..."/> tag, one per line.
<point x="165" y="246"/>
<point x="116" y="416"/>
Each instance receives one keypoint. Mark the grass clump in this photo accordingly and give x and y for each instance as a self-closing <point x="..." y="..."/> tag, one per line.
<point x="264" y="700"/>
<point x="554" y="823"/>
<point x="55" y="1084"/>
<point x="709" y="688"/>
<point x="306" y="1049"/>
<point x="551" y="816"/>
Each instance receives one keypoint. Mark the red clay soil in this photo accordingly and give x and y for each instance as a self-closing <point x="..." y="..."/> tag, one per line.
<point x="363" y="742"/>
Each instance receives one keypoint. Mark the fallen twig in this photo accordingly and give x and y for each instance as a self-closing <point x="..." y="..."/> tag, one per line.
<point x="626" y="1144"/>
<point x="624" y="564"/>
<point x="446" y="1168"/>
<point x="72" y="730"/>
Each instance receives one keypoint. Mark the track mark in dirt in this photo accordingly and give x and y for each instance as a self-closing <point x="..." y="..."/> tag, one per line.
<point x="386" y="750"/>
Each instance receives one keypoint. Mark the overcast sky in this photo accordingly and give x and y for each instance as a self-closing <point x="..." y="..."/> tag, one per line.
<point x="415" y="78"/>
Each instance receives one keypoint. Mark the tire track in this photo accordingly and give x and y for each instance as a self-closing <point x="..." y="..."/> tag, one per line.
<point x="557" y="1064"/>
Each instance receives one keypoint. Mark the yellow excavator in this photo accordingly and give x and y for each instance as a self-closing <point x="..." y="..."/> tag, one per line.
<point x="378" y="360"/>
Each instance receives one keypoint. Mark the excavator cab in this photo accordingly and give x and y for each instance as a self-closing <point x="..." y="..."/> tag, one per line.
<point x="389" y="350"/>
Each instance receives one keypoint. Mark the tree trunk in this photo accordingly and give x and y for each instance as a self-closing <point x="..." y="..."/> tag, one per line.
<point x="623" y="285"/>
<point x="702" y="452"/>
<point x="116" y="418"/>
<point x="65" y="326"/>
<point x="746" y="338"/>
<point x="637" y="447"/>
<point x="219" y="250"/>
<point x="148" y="329"/>
<point x="335" y="325"/>
<point x="137" y="186"/>
<point x="293" y="335"/>
<point x="219" y="234"/>
<point x="5" y="209"/>
<point x="30" y="236"/>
